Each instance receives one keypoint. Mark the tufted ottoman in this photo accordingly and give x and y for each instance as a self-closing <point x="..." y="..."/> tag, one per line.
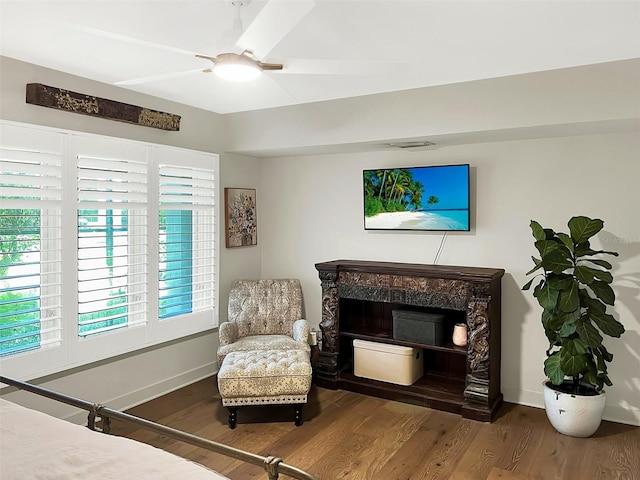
<point x="264" y="377"/>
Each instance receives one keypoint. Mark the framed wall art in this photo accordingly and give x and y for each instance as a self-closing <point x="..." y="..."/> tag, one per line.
<point x="241" y="221"/>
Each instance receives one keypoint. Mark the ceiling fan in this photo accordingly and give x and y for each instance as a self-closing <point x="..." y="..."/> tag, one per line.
<point x="273" y="22"/>
<point x="271" y="25"/>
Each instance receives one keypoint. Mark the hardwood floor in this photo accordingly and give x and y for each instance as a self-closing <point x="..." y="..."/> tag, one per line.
<point x="351" y="436"/>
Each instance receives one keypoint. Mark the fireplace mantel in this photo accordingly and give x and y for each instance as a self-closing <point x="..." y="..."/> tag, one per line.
<point x="470" y="382"/>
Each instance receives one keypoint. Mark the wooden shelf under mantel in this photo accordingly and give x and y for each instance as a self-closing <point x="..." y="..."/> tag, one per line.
<point x="386" y="336"/>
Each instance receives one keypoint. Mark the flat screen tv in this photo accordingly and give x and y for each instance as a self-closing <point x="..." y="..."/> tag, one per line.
<point x="432" y="198"/>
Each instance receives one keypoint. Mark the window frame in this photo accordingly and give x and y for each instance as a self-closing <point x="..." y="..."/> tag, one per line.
<point x="75" y="350"/>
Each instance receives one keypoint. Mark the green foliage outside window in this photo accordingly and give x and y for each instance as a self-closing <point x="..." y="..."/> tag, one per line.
<point x="19" y="307"/>
<point x="19" y="233"/>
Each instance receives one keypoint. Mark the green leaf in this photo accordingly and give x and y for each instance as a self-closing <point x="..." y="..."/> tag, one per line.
<point x="567" y="344"/>
<point x="603" y="291"/>
<point x="566" y="240"/>
<point x="547" y="297"/>
<point x="591" y="303"/>
<point x="572" y="316"/>
<point x="547" y="319"/>
<point x="601" y="263"/>
<point x="591" y="365"/>
<point x="572" y="364"/>
<point x="583" y="228"/>
<point x="584" y="274"/>
<point x="607" y="324"/>
<point x="545" y="247"/>
<point x="583" y="248"/>
<point x="604" y="276"/>
<point x="589" y="334"/>
<point x="587" y="274"/>
<point x="538" y="231"/>
<point x="569" y="300"/>
<point x="579" y="346"/>
<point x="552" y="336"/>
<point x="556" y="260"/>
<point x="599" y="382"/>
<point x="553" y="370"/>
<point x="605" y="252"/>
<point x="590" y="377"/>
<point x="605" y="353"/>
<point x="555" y="322"/>
<point x="560" y="281"/>
<point x="538" y="264"/>
<point x="602" y="365"/>
<point x="567" y="329"/>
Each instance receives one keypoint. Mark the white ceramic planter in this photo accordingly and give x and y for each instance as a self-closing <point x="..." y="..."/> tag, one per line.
<point x="573" y="415"/>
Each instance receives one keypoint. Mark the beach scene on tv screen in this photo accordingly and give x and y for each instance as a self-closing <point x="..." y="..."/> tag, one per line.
<point x="419" y="198"/>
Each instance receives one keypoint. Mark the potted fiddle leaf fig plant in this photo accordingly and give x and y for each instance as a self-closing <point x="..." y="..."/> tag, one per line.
<point x="574" y="291"/>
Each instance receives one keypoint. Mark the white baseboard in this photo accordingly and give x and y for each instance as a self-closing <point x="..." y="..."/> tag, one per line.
<point x="615" y="413"/>
<point x="612" y="413"/>
<point x="523" y="397"/>
<point x="149" y="392"/>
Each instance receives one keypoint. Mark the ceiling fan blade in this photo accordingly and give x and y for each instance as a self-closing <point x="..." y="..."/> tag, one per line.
<point x="276" y="19"/>
<point x="342" y="67"/>
<point x="136" y="41"/>
<point x="165" y="76"/>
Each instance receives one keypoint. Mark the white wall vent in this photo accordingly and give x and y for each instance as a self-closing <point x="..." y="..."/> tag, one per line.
<point x="412" y="144"/>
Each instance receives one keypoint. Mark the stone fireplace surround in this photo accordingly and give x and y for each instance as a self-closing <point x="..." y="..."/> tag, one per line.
<point x="473" y="290"/>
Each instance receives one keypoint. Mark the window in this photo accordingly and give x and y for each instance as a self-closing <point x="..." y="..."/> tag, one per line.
<point x="90" y="290"/>
<point x="30" y="239"/>
<point x="112" y="241"/>
<point x="187" y="239"/>
<point x="20" y="269"/>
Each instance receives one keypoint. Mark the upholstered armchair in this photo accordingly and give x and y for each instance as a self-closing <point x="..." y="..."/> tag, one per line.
<point x="264" y="314"/>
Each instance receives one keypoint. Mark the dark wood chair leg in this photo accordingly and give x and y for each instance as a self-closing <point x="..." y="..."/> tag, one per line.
<point x="233" y="417"/>
<point x="298" y="409"/>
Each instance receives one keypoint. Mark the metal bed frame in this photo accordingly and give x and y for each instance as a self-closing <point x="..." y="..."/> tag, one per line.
<point x="272" y="465"/>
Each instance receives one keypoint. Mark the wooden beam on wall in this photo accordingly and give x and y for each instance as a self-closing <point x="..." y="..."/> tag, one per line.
<point x="53" y="97"/>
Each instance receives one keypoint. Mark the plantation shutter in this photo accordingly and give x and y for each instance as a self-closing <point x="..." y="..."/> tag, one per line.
<point x="187" y="282"/>
<point x="112" y="242"/>
<point x="30" y="240"/>
<point x="86" y="221"/>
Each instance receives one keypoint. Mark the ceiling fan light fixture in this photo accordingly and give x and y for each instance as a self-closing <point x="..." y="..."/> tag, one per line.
<point x="237" y="71"/>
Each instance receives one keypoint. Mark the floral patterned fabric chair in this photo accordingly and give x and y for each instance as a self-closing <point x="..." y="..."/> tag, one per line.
<point x="264" y="354"/>
<point x="264" y="314"/>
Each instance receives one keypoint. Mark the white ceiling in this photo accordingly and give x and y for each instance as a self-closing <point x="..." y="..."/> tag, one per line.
<point x="338" y="49"/>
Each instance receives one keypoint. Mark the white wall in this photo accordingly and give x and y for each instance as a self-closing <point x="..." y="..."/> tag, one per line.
<point x="238" y="171"/>
<point x="133" y="378"/>
<point x="311" y="211"/>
